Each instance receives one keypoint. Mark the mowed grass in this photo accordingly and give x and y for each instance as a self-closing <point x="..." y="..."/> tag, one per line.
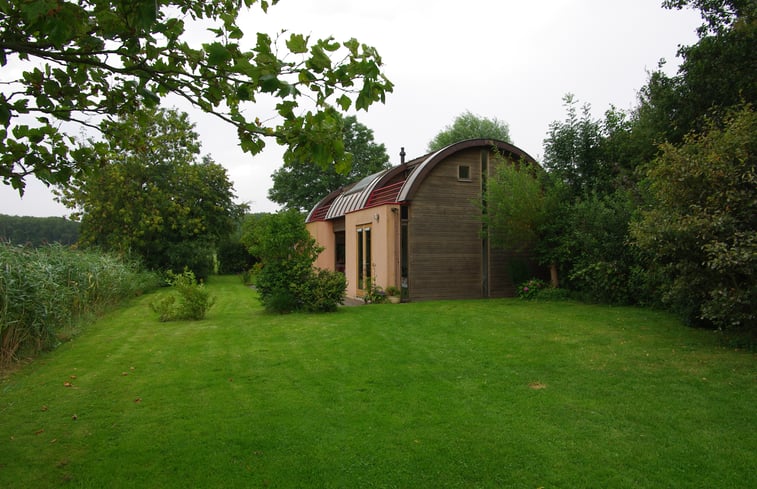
<point x="490" y="394"/>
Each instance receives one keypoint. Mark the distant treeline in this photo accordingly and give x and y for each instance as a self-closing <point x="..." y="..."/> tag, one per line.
<point x="37" y="231"/>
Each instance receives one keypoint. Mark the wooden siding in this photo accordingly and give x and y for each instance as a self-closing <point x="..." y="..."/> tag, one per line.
<point x="445" y="232"/>
<point x="446" y="254"/>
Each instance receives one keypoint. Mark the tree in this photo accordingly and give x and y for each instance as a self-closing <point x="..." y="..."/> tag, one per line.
<point x="470" y="126"/>
<point x="516" y="204"/>
<point x="573" y="150"/>
<point x="700" y="230"/>
<point x="592" y="172"/>
<point x="38" y="231"/>
<point x="719" y="15"/>
<point x="287" y="281"/>
<point x="105" y="58"/>
<point x="716" y="73"/>
<point x="301" y="184"/>
<point x="148" y="193"/>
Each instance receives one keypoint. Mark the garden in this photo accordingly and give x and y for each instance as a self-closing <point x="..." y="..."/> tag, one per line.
<point x="484" y="393"/>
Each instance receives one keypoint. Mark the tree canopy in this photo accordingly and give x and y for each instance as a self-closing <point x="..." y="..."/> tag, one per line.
<point x="656" y="205"/>
<point x="470" y="126"/>
<point x="71" y="63"/>
<point x="301" y="184"/>
<point x="700" y="227"/>
<point x="149" y="193"/>
<point x="37" y="231"/>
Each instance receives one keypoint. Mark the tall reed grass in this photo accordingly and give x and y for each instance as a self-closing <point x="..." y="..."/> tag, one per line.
<point x="45" y="291"/>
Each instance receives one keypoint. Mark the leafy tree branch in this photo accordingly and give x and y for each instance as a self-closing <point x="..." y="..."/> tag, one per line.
<point x="106" y="58"/>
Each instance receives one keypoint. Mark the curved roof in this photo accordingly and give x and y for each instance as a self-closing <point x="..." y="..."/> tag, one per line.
<point x="399" y="183"/>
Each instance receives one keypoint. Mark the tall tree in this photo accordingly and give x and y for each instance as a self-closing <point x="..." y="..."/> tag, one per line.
<point x="591" y="164"/>
<point x="149" y="193"/>
<point x="470" y="126"/>
<point x="301" y="184"/>
<point x="102" y="58"/>
<point x="573" y="151"/>
<point x="716" y="73"/>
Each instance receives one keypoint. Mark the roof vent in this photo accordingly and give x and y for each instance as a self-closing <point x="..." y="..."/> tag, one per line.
<point x="402" y="155"/>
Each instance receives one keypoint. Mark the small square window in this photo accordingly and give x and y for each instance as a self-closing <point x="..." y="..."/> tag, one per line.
<point x="463" y="173"/>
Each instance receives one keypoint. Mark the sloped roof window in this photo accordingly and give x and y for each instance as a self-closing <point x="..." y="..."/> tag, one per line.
<point x="359" y="186"/>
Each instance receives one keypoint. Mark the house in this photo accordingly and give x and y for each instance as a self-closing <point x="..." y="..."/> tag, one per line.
<point x="419" y="226"/>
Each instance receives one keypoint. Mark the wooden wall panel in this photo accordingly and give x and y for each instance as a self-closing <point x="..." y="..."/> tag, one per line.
<point x="445" y="232"/>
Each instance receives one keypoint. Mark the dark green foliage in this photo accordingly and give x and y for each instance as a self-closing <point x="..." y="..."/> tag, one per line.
<point x="191" y="301"/>
<point x="720" y="15"/>
<point x="233" y="257"/>
<point x="548" y="294"/>
<point x="38" y="231"/>
<point x="716" y="73"/>
<point x="700" y="228"/>
<point x="286" y="280"/>
<point x="584" y="233"/>
<point x="195" y="255"/>
<point x="598" y="259"/>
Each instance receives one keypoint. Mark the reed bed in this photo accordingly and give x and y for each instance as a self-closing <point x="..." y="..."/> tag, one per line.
<point x="47" y="291"/>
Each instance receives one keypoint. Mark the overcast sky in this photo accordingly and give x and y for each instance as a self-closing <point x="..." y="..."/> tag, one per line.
<point x="505" y="59"/>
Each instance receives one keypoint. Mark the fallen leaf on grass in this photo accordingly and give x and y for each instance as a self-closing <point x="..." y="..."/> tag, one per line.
<point x="67" y="384"/>
<point x="537" y="386"/>
<point x="39" y="432"/>
<point x="138" y="400"/>
<point x="124" y="373"/>
<point x="74" y="417"/>
<point x="72" y="377"/>
<point x="44" y="408"/>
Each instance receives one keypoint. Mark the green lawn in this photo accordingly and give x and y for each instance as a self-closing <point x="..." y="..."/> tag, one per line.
<point x="500" y="393"/>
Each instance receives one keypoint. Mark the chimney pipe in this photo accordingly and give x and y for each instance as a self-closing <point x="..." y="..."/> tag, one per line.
<point x="402" y="156"/>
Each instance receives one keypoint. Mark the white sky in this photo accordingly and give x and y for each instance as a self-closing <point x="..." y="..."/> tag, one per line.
<point x="507" y="59"/>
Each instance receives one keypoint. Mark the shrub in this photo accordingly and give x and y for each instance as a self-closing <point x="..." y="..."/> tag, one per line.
<point x="285" y="279"/>
<point x="530" y="289"/>
<point x="553" y="294"/>
<point x="193" y="299"/>
<point x="323" y="291"/>
<point x="698" y="230"/>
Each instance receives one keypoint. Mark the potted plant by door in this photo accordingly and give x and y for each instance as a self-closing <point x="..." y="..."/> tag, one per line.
<point x="393" y="294"/>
